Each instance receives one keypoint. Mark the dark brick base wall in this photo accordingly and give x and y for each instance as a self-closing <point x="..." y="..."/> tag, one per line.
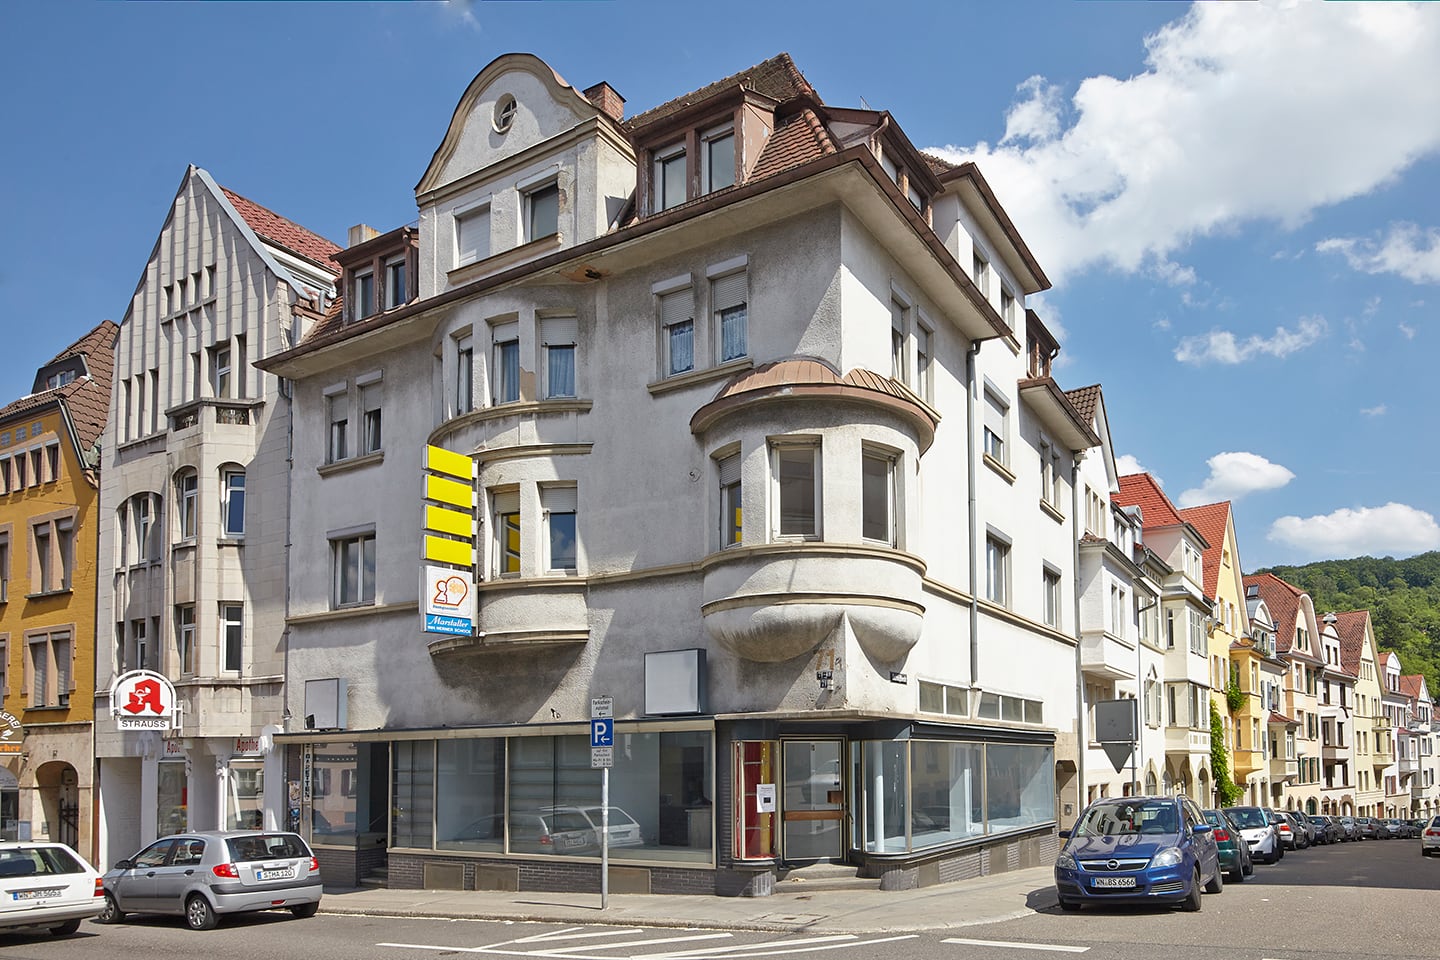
<point x="407" y="872"/>
<point x="999" y="857"/>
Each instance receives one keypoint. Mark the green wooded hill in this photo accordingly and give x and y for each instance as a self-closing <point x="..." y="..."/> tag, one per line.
<point x="1403" y="597"/>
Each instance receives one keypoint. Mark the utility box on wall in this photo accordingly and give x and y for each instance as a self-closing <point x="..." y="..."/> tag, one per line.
<point x="675" y="683"/>
<point x="325" y="704"/>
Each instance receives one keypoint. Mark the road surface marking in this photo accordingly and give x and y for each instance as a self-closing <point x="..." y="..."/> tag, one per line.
<point x="1052" y="947"/>
<point x="572" y="933"/>
<point x="731" y="953"/>
<point x="737" y="948"/>
<point x="564" y="951"/>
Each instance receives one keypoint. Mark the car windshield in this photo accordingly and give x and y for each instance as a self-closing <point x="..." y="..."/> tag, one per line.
<point x="1249" y="818"/>
<point x="37" y="861"/>
<point x="563" y="822"/>
<point x="1128" y="819"/>
<point x="266" y="846"/>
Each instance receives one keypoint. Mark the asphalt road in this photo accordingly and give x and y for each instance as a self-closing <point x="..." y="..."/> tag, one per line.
<point x="1372" y="899"/>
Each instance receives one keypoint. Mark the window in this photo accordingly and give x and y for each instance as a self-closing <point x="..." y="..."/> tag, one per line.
<point x="5" y="473"/>
<point x="371" y="396"/>
<point x="542" y="212"/>
<point x="923" y="360"/>
<point x="51" y="669"/>
<point x="981" y="270"/>
<point x="139" y="650"/>
<point x="465" y="376"/>
<point x="1050" y="588"/>
<point x="670" y="177"/>
<point x="220" y="371"/>
<point x="1007" y="307"/>
<point x="944" y="698"/>
<point x="507" y="532"/>
<point x="65" y="547"/>
<point x="4" y="665"/>
<point x="232" y="503"/>
<point x="339" y="447"/>
<point x="364" y="294"/>
<point x="4" y="569"/>
<point x="997" y="412"/>
<point x="730" y="504"/>
<point x="559" y="505"/>
<point x="997" y="570"/>
<point x="185" y="638"/>
<point x="186" y="489"/>
<point x="44" y="562"/>
<point x="678" y="323"/>
<point x="507" y="362"/>
<point x="557" y="339"/>
<point x="728" y="296"/>
<point x="472" y="235"/>
<point x="1047" y="472"/>
<point x="232" y="635"/>
<point x="52" y="462"/>
<point x="1117" y="610"/>
<point x="718" y="158"/>
<point x="899" y="321"/>
<point x="877" y="497"/>
<point x="354" y="561"/>
<point x="1094" y="513"/>
<point x="395" y="293"/>
<point x="797" y="489"/>
<point x="20" y="472"/>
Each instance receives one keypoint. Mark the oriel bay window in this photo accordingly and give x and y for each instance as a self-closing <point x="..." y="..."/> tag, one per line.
<point x="505" y="377"/>
<point x="877" y="496"/>
<point x="729" y="471"/>
<point x="795" y="466"/>
<point x="559" y="505"/>
<point x="506" y="512"/>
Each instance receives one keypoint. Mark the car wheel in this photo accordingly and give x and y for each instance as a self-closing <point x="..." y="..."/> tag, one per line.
<point x="305" y="910"/>
<point x="1249" y="867"/>
<point x="1237" y="875"/>
<point x="111" y="912"/>
<point x="1069" y="905"/>
<point x="1217" y="883"/>
<point x="1191" y="903"/>
<point x="66" y="928"/>
<point x="199" y="915"/>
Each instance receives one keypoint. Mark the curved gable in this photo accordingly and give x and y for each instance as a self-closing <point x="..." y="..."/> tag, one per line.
<point x="546" y="106"/>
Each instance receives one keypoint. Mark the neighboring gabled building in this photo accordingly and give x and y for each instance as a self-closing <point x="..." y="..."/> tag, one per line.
<point x="713" y="370"/>
<point x="197" y="593"/>
<point x="1359" y="658"/>
<point x="1339" y="773"/>
<point x="1419" y="721"/>
<point x="49" y="492"/>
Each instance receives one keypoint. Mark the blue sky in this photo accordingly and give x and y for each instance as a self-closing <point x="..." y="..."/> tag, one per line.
<point x="1238" y="204"/>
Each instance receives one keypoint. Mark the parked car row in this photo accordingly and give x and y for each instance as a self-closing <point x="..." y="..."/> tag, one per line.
<point x="198" y="876"/>
<point x="1167" y="850"/>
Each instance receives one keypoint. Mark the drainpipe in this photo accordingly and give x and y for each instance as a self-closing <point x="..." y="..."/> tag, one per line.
<point x="1075" y="530"/>
<point x="972" y="383"/>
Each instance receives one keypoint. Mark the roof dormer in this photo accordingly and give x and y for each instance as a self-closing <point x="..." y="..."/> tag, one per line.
<point x="378" y="271"/>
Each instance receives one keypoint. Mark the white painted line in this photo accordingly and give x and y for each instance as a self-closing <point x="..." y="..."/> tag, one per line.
<point x="739" y="947"/>
<point x="430" y="946"/>
<point x="729" y="954"/>
<point x="563" y="951"/>
<point x="1051" y="947"/>
<point x="570" y="933"/>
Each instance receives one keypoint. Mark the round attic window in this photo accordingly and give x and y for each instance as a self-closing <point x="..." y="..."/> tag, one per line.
<point x="504" y="113"/>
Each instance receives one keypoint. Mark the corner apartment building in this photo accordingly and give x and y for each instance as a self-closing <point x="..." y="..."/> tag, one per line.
<point x="195" y="518"/>
<point x="1419" y="726"/>
<point x="763" y="447"/>
<point x="1339" y="765"/>
<point x="49" y="506"/>
<point x="1359" y="656"/>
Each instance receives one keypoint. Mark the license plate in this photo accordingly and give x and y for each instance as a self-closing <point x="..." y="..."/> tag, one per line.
<point x="274" y="874"/>
<point x="37" y="894"/>
<point x="1113" y="882"/>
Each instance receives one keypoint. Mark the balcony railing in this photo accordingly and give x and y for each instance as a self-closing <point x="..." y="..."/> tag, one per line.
<point x="223" y="412"/>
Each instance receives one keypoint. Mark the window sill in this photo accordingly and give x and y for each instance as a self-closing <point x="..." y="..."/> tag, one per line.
<point x="1051" y="512"/>
<point x="135" y="442"/>
<point x="183" y="546"/>
<point x="1000" y="468"/>
<point x="230" y="542"/>
<point x="48" y="708"/>
<point x="694" y="377"/>
<point x="46" y="594"/>
<point x="350" y="463"/>
<point x="518" y="408"/>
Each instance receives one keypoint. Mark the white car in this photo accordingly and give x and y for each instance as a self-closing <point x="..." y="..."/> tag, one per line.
<point x="1259" y="832"/>
<point x="1430" y="838"/>
<point x="46" y="886"/>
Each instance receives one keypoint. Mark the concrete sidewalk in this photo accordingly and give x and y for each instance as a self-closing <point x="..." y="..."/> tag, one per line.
<point x="989" y="899"/>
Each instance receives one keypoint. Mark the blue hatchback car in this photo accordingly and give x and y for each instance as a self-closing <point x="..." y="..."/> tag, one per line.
<point x="1138" y="850"/>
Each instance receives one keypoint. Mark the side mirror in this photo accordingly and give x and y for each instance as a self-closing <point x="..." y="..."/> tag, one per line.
<point x="1201" y="828"/>
<point x="124" y="865"/>
<point x="1063" y="834"/>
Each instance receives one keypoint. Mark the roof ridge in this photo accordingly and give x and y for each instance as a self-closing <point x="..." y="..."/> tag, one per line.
<point x="75" y="347"/>
<point x="322" y="242"/>
<point x="782" y="60"/>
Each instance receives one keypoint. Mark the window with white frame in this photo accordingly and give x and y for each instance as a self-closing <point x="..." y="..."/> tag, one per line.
<point x="372" y="396"/>
<point x="1007" y="307"/>
<point x="558" y="340"/>
<point x="944" y="698"/>
<point x="506" y="379"/>
<point x="220" y="373"/>
<point x="505" y="508"/>
<point x="472" y="235"/>
<point x="185" y="638"/>
<point x="980" y="270"/>
<point x="997" y="569"/>
<point x="542" y="212"/>
<point x="717" y="158"/>
<point x="51" y="668"/>
<point x="1094" y="513"/>
<point x="728" y="469"/>
<point x="65" y="551"/>
<point x="924" y="359"/>
<point x="729" y="303"/>
<point x="558" y="506"/>
<point x="464" y="375"/>
<point x="1050" y="589"/>
<point x="232" y="636"/>
<point x="339" y="440"/>
<point x="899" y="324"/>
<point x="1047" y="471"/>
<point x="353" y="559"/>
<point x="395" y="275"/>
<point x="795" y="466"/>
<point x="677" y="324"/>
<point x="877" y="496"/>
<point x="671" y="173"/>
<point x="1118" y="610"/>
<point x="139" y="654"/>
<point x="139" y="529"/>
<point x="997" y="416"/>
<point x="4" y="664"/>
<point x="44" y="559"/>
<point x="232" y="503"/>
<point x="364" y="292"/>
<point x="4" y="475"/>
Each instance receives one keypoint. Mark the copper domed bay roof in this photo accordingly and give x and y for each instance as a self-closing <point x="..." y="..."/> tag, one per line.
<point x="807" y="376"/>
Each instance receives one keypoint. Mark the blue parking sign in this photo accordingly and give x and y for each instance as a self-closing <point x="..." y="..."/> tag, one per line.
<point x="602" y="732"/>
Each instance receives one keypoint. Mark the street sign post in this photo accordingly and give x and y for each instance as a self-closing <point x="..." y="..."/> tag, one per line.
<point x="602" y="755"/>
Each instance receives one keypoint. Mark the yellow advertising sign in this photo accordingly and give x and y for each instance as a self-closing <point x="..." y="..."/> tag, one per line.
<point x="458" y="552"/>
<point x="450" y="491"/>
<point x="449" y="463"/>
<point x="453" y="522"/>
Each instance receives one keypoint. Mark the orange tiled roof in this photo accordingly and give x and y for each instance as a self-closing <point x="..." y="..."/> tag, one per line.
<point x="1351" y="626"/>
<point x="1283" y="599"/>
<point x="1412" y="685"/>
<point x="285" y="233"/>
<point x="801" y="139"/>
<point x="333" y="320"/>
<point x="1141" y="490"/>
<point x="1211" y="519"/>
<point x="777" y="78"/>
<point x="1280" y="718"/>
<point x="1085" y="400"/>
<point x="88" y="399"/>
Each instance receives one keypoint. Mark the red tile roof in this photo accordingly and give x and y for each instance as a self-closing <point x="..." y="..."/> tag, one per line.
<point x="1085" y="400"/>
<point x="777" y="78"/>
<point x="1412" y="685"/>
<point x="87" y="399"/>
<point x="1351" y="626"/>
<point x="801" y="139"/>
<point x="1283" y="601"/>
<point x="1281" y="718"/>
<point x="1211" y="520"/>
<point x="1141" y="490"/>
<point x="285" y="233"/>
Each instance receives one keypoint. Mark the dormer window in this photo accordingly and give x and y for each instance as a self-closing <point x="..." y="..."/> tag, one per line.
<point x="888" y="165"/>
<point x="364" y="294"/>
<point x="472" y="235"/>
<point x="395" y="292"/>
<point x="57" y="380"/>
<point x="670" y="176"/>
<point x="718" y="158"/>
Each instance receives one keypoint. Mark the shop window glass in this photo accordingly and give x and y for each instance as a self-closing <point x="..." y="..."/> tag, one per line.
<point x="886" y="796"/>
<point x="470" y="795"/>
<point x="756" y="765"/>
<point x="170" y="797"/>
<point x="412" y="812"/>
<point x="332" y="794"/>
<point x="1020" y="786"/>
<point x="245" y="799"/>
<point x="945" y="797"/>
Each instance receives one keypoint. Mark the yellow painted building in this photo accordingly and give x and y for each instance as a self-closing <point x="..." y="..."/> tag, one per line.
<point x="49" y="508"/>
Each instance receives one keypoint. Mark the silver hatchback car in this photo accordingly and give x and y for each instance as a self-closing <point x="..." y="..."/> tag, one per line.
<point x="202" y="876"/>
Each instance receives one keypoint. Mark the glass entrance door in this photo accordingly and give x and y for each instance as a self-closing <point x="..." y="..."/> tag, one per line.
<point x="814" y="801"/>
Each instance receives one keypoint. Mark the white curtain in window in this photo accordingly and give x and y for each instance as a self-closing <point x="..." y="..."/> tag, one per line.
<point x="676" y="315"/>
<point x="507" y="362"/>
<point x="558" y="336"/>
<point x="730" y="295"/>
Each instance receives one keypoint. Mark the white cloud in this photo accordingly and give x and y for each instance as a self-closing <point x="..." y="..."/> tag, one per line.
<point x="1234" y="475"/>
<point x="1244" y="112"/>
<point x="1126" y="464"/>
<point x="1222" y="346"/>
<point x="1406" y="250"/>
<point x="1394" y="529"/>
<point x="1376" y="411"/>
<point x="1408" y="331"/>
<point x="464" y="11"/>
<point x="1162" y="323"/>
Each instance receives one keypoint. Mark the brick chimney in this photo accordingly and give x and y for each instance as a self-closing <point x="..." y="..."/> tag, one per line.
<point x="610" y="103"/>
